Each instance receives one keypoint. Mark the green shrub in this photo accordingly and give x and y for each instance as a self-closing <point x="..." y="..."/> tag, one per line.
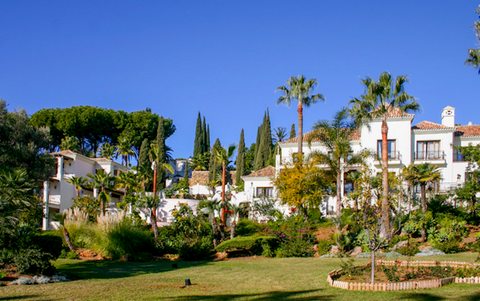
<point x="396" y="239"/>
<point x="323" y="246"/>
<point x="266" y="249"/>
<point x="409" y="250"/>
<point x="68" y="255"/>
<point x="48" y="243"/>
<point x="196" y="249"/>
<point x="6" y="257"/>
<point x="297" y="247"/>
<point x="448" y="247"/>
<point x="246" y="227"/>
<point x="33" y="261"/>
<point x="2" y="274"/>
<point x="250" y="244"/>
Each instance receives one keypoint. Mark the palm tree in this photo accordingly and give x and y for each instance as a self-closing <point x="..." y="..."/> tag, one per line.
<point x="223" y="155"/>
<point x="78" y="183"/>
<point x="69" y="143"/>
<point x="124" y="148"/>
<point x="381" y="99"/>
<point x="423" y="175"/>
<point x="235" y="211"/>
<point x="473" y="58"/>
<point x="163" y="167"/>
<point x="336" y="136"/>
<point x="355" y="177"/>
<point x="107" y="151"/>
<point x="279" y="134"/>
<point x="299" y="89"/>
<point x="150" y="202"/>
<point x="105" y="182"/>
<point x="127" y="181"/>
<point x="212" y="207"/>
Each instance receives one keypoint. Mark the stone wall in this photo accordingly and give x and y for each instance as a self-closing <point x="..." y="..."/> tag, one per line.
<point x="201" y="177"/>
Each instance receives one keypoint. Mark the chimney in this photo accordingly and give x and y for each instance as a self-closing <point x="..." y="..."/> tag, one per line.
<point x="448" y="116"/>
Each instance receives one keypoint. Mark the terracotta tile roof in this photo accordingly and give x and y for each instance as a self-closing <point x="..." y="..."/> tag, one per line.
<point x="268" y="171"/>
<point x="100" y="159"/>
<point x="355" y="136"/>
<point x="428" y="125"/>
<point x="396" y="112"/>
<point x="70" y="153"/>
<point x="468" y="130"/>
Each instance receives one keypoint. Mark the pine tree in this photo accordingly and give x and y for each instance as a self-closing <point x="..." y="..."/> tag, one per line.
<point x="214" y="169"/>
<point x="240" y="163"/>
<point x="198" y="145"/>
<point x="292" y="132"/>
<point x="162" y="154"/>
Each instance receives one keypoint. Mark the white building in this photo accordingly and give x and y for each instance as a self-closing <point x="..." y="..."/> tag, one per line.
<point x="424" y="142"/>
<point x="59" y="192"/>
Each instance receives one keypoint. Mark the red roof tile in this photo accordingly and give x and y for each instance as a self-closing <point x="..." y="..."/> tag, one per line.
<point x="355" y="136"/>
<point x="468" y="130"/>
<point x="428" y="125"/>
<point x="268" y="171"/>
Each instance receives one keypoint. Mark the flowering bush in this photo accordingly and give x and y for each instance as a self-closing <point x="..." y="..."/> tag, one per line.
<point x="89" y="205"/>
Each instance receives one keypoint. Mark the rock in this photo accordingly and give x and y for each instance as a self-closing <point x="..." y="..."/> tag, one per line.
<point x="400" y="244"/>
<point x="356" y="251"/>
<point x="429" y="252"/>
<point x="86" y="253"/>
<point x="60" y="277"/>
<point x="422" y="248"/>
<point x="23" y="281"/>
<point x="364" y="255"/>
<point x="334" y="250"/>
<point x="220" y="256"/>
<point x="41" y="279"/>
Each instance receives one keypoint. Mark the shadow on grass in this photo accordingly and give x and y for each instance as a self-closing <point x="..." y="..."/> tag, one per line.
<point x="421" y="297"/>
<point x="263" y="296"/>
<point x="19" y="297"/>
<point x="103" y="269"/>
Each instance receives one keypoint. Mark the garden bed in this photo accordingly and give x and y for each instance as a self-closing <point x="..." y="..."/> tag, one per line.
<point x="405" y="275"/>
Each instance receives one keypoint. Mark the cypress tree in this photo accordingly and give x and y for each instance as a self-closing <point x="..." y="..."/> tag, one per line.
<point x="214" y="169"/>
<point x="198" y="147"/>
<point x="143" y="162"/>
<point x="292" y="132"/>
<point x="257" y="144"/>
<point x="162" y="154"/>
<point x="208" y="139"/>
<point x="205" y="144"/>
<point x="240" y="163"/>
<point x="267" y="137"/>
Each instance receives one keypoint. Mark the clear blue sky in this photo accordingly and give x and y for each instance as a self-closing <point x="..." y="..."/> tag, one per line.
<point x="225" y="58"/>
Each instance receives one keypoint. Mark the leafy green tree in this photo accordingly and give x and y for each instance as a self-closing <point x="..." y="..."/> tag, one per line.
<point x="299" y="89"/>
<point x="222" y="157"/>
<point x="336" y="136"/>
<point x="474" y="54"/>
<point x="292" y="132"/>
<point x="264" y="151"/>
<point x="206" y="137"/>
<point x="125" y="149"/>
<point x="299" y="186"/>
<point x="22" y="146"/>
<point x="423" y="175"/>
<point x="200" y="162"/>
<point x="212" y="207"/>
<point x="240" y="163"/>
<point x="250" y="157"/>
<point x="380" y="99"/>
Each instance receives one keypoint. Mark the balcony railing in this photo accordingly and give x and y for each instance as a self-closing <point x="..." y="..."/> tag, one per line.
<point x="430" y="155"/>
<point x="54" y="199"/>
<point x="391" y="156"/>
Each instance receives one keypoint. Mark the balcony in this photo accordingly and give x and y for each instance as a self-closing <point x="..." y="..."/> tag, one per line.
<point x="432" y="157"/>
<point x="394" y="158"/>
<point x="54" y="199"/>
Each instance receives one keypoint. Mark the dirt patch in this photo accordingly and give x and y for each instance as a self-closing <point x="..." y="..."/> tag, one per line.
<point x="324" y="233"/>
<point x="471" y="236"/>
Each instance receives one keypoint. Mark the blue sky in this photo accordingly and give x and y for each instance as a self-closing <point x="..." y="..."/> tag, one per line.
<point x="225" y="58"/>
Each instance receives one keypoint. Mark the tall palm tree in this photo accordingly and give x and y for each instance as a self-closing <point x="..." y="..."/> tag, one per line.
<point x="223" y="155"/>
<point x="336" y="137"/>
<point x="103" y="181"/>
<point x="279" y="134"/>
<point x="107" y="151"/>
<point x="381" y="98"/>
<point x="78" y="183"/>
<point x="150" y="202"/>
<point x="423" y="175"/>
<point x="154" y="156"/>
<point x="235" y="211"/>
<point x="125" y="149"/>
<point x="473" y="58"/>
<point x="299" y="89"/>
<point x="127" y="181"/>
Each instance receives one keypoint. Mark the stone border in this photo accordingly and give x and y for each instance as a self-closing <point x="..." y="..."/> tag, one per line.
<point x="407" y="285"/>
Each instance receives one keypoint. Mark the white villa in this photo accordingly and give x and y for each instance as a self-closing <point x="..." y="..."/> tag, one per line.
<point x="59" y="192"/>
<point x="424" y="142"/>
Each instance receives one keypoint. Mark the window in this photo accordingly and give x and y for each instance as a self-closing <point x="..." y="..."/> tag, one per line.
<point x="264" y="191"/>
<point x="392" y="149"/>
<point x="458" y="157"/>
<point x="428" y="150"/>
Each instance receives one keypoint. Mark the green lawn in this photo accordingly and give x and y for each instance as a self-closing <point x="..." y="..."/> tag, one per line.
<point x="249" y="279"/>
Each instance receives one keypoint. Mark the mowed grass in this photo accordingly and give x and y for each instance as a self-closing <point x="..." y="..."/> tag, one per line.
<point x="237" y="279"/>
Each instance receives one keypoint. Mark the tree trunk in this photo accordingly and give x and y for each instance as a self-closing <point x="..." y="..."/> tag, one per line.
<point x="214" y="230"/>
<point x="385" y="206"/>
<point x="372" y="276"/>
<point x="423" y="196"/>
<point x="66" y="235"/>
<point x="223" y="193"/>
<point x="153" y="220"/>
<point x="338" y="207"/>
<point x="102" y="204"/>
<point x="155" y="189"/>
<point x="232" y="229"/>
<point x="300" y="126"/>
